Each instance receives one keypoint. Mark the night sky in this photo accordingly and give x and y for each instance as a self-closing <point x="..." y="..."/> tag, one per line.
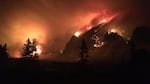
<point x="53" y="22"/>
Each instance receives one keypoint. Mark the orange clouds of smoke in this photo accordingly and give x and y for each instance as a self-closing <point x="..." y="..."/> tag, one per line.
<point x="55" y="21"/>
<point x="23" y="28"/>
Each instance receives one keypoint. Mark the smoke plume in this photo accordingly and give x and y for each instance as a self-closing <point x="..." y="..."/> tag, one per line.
<point x="53" y="22"/>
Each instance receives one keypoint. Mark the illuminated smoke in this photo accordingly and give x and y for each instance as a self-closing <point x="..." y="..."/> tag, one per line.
<point x="24" y="28"/>
<point x="99" y="19"/>
<point x="53" y="22"/>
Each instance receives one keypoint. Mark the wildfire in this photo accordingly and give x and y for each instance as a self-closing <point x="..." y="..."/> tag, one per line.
<point x="103" y="21"/>
<point x="113" y="30"/>
<point x="99" y="19"/>
<point x="77" y="34"/>
<point x="38" y="50"/>
<point x="17" y="54"/>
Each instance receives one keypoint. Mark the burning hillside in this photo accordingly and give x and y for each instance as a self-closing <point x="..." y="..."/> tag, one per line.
<point x="97" y="38"/>
<point x="96" y="21"/>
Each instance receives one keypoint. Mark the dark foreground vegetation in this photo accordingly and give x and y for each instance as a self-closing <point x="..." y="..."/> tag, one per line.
<point x="33" y="71"/>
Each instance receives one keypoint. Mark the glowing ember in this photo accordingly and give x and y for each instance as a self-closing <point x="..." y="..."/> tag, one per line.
<point x="77" y="34"/>
<point x="99" y="44"/>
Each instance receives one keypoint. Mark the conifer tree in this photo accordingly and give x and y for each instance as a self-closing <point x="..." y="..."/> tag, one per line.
<point x="29" y="48"/>
<point x="83" y="52"/>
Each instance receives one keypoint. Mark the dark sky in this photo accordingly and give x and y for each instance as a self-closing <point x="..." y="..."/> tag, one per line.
<point x="53" y="22"/>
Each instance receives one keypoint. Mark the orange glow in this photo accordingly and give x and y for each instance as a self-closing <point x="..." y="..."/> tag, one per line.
<point x="31" y="31"/>
<point x="106" y="18"/>
<point x="77" y="34"/>
<point x="17" y="54"/>
<point x="103" y="21"/>
<point x="24" y="28"/>
<point x="82" y="30"/>
<point x="100" y="19"/>
<point x="38" y="50"/>
<point x="113" y="30"/>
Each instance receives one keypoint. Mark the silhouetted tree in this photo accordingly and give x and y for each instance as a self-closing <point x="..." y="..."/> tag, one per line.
<point x="140" y="45"/>
<point x="109" y="37"/>
<point x="117" y="47"/>
<point x="29" y="49"/>
<point x="140" y="39"/>
<point x="140" y="51"/>
<point x="83" y="52"/>
<point x="29" y="61"/>
<point x="3" y="56"/>
<point x="3" y="52"/>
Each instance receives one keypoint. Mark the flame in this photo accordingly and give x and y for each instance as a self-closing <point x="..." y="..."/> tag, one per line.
<point x="99" y="20"/>
<point x="113" y="30"/>
<point x="104" y="21"/>
<point x="17" y="54"/>
<point x="77" y="34"/>
<point x="23" y="28"/>
<point x="38" y="50"/>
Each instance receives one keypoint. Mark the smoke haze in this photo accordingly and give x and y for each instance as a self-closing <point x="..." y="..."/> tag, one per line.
<point x="53" y="22"/>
